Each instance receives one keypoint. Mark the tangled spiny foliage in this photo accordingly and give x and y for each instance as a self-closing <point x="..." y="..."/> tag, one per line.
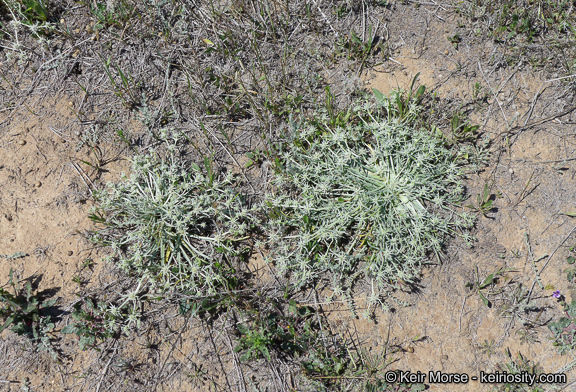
<point x="370" y="197"/>
<point x="173" y="226"/>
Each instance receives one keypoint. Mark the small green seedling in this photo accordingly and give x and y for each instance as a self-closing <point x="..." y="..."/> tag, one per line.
<point x="482" y="287"/>
<point x="254" y="158"/>
<point x="400" y="104"/>
<point x="355" y="47"/>
<point x="477" y="90"/>
<point x="454" y="40"/>
<point x="483" y="202"/>
<point x="88" y="263"/>
<point x="461" y="129"/>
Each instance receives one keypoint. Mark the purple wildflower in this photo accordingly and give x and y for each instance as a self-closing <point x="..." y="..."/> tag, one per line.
<point x="556" y="294"/>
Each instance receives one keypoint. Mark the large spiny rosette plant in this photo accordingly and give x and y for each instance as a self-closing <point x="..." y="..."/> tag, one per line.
<point x="371" y="197"/>
<point x="173" y="226"/>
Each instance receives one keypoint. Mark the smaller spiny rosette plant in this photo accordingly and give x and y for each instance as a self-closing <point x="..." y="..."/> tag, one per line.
<point x="373" y="198"/>
<point x="174" y="227"/>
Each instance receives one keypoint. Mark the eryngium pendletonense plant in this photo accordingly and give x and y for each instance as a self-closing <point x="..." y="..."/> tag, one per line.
<point x="371" y="198"/>
<point x="173" y="226"/>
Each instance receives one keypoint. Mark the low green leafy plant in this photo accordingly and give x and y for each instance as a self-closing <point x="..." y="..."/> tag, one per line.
<point x="454" y="40"/>
<point x="564" y="330"/>
<point x="173" y="226"/>
<point x="372" y="196"/>
<point x="27" y="314"/>
<point x="254" y="342"/>
<point x="94" y="321"/>
<point x="328" y="361"/>
<point x="288" y="335"/>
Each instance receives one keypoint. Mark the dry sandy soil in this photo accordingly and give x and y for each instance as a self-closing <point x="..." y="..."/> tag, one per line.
<point x="523" y="107"/>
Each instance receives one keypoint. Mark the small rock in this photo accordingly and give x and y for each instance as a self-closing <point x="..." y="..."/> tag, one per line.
<point x="444" y="357"/>
<point x="409" y="349"/>
<point x="70" y="103"/>
<point x="38" y="184"/>
<point x="511" y="171"/>
<point x="405" y="73"/>
<point x="446" y="52"/>
<point x="22" y="142"/>
<point x="70" y="253"/>
<point x="62" y="21"/>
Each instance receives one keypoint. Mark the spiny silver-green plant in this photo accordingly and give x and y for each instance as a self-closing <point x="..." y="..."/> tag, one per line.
<point x="172" y="226"/>
<point x="372" y="197"/>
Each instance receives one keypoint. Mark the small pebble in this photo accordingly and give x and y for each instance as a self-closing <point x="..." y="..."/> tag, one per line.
<point x="511" y="171"/>
<point x="70" y="103"/>
<point x="405" y="73"/>
<point x="70" y="253"/>
<point x="38" y="184"/>
<point x="446" y="52"/>
<point x="409" y="349"/>
<point x="22" y="142"/>
<point x="62" y="21"/>
<point x="444" y="357"/>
